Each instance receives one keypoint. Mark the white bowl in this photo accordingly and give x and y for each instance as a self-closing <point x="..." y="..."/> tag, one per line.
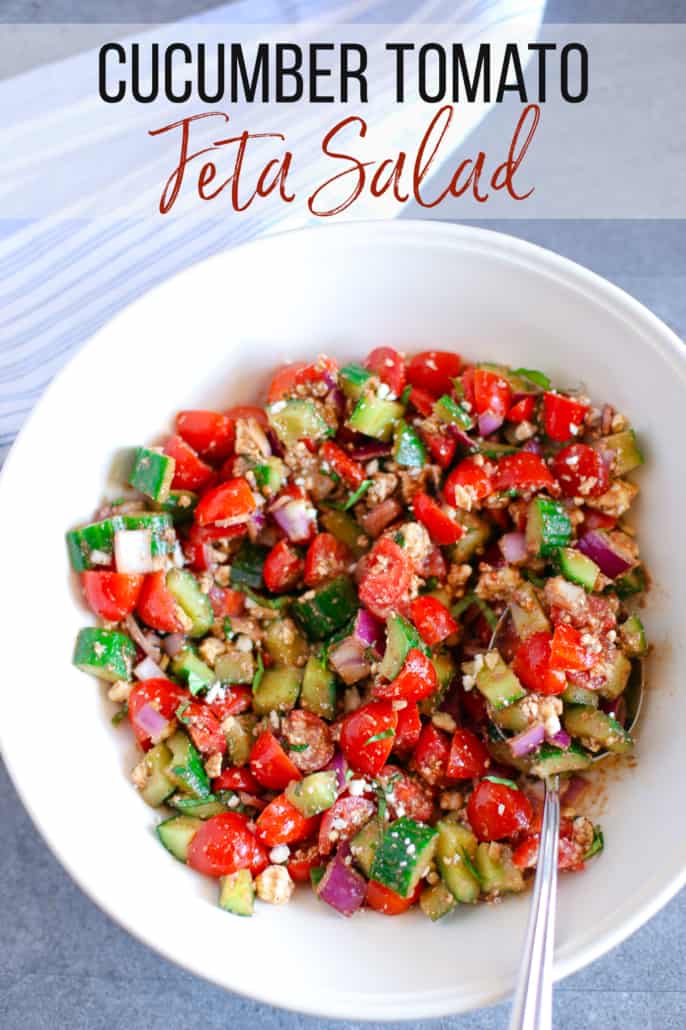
<point x="212" y="336"/>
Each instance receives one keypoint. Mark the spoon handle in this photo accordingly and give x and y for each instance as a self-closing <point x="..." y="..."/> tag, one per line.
<point x="532" y="1007"/>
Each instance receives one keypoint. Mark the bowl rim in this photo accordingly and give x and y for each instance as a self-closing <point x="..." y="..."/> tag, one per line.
<point x="407" y="232"/>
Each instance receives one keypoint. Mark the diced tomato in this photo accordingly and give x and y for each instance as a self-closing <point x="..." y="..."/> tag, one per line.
<point x="467" y="382"/>
<point x="441" y="528"/>
<point x="231" y="501"/>
<point x="281" y="823"/>
<point x="532" y="665"/>
<point x="432" y="619"/>
<point x="442" y="447"/>
<point x="209" y="433"/>
<point x="297" y="374"/>
<point x="569" y="856"/>
<point x="407" y="795"/>
<point x="302" y="861"/>
<point x="226" y="601"/>
<point x="567" y="653"/>
<point x="204" y="728"/>
<point x="492" y="393"/>
<point x="326" y="558"/>
<point x="157" y="606"/>
<point x="389" y="366"/>
<point x="383" y="899"/>
<point x="432" y="565"/>
<point x="236" y="778"/>
<point x="474" y="706"/>
<point x="522" y="471"/>
<point x="434" y="371"/>
<point x="416" y="680"/>
<point x="562" y="416"/>
<point x="473" y="474"/>
<point x="374" y="720"/>
<point x="196" y="546"/>
<point x="594" y="519"/>
<point x="270" y="765"/>
<point x="422" y="401"/>
<point x="431" y="754"/>
<point x="190" y="472"/>
<point x="408" y="729"/>
<point x="496" y="811"/>
<point x="283" y="568"/>
<point x="386" y="578"/>
<point x="342" y="821"/>
<point x="350" y="471"/>
<point x="580" y="471"/>
<point x="248" y="411"/>
<point x="111" y="595"/>
<point x="237" y="699"/>
<point x="224" y="844"/>
<point x="162" y="694"/>
<point x="522" y="410"/>
<point x="468" y="757"/>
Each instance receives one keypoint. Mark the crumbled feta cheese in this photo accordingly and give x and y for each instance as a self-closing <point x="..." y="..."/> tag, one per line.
<point x="244" y="643"/>
<point x="278" y="406"/>
<point x="357" y="787"/>
<point x="281" y="853"/>
<point x="216" y="693"/>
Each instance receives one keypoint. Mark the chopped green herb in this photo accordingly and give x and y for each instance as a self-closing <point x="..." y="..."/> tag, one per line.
<point x="180" y="712"/>
<point x="384" y="735"/>
<point x="405" y="395"/>
<point x="298" y="747"/>
<point x="360" y="492"/>
<point x="259" y="672"/>
<point x="597" y="845"/>
<point x="316" y="874"/>
<point x="535" y="377"/>
<point x="261" y="473"/>
<point x="467" y="601"/>
<point x="228" y="631"/>
<point x="431" y="584"/>
<point x="505" y="783"/>
<point x="121" y="714"/>
<point x="399" y="539"/>
<point x="458" y="389"/>
<point x="537" y="581"/>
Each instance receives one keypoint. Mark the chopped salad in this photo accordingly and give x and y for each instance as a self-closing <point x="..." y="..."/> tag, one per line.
<point x="352" y="630"/>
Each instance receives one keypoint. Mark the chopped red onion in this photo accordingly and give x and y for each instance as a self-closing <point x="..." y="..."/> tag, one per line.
<point x="350" y="661"/>
<point x="513" y="546"/>
<point x="369" y="630"/>
<point x="148" y="670"/>
<point x="526" y="741"/>
<point x="342" y="886"/>
<point x="296" y="517"/>
<point x="275" y="444"/>
<point x="464" y="440"/>
<point x="368" y="450"/>
<point x="339" y="765"/>
<point x="376" y="520"/>
<point x="256" y="523"/>
<point x="533" y="446"/>
<point x="148" y="642"/>
<point x="337" y="398"/>
<point x="150" y="721"/>
<point x="173" y="643"/>
<point x="605" y="553"/>
<point x="489" y="423"/>
<point x="560" y="739"/>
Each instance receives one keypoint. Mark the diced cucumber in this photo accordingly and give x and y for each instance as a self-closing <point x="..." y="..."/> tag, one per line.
<point x="408" y="449"/>
<point x="627" y="454"/>
<point x="403" y="855"/>
<point x="314" y="793"/>
<point x="237" y="893"/>
<point x="352" y="378"/>
<point x="238" y="730"/>
<point x="436" y="901"/>
<point x="343" y="526"/>
<point x="578" y="568"/>
<point x="548" y="527"/>
<point x="105" y="653"/>
<point x="551" y="761"/>
<point x="199" y="808"/>
<point x="96" y="541"/>
<point x="501" y="752"/>
<point x="235" y="666"/>
<point x="152" y="473"/>
<point x="476" y="535"/>
<point x="454" y="843"/>
<point x="247" y="565"/>
<point x="295" y="420"/>
<point x="285" y="644"/>
<point x="277" y="691"/>
<point x="527" y="613"/>
<point x="528" y="380"/>
<point x="497" y="871"/>
<point x="632" y="582"/>
<point x="319" y="613"/>
<point x="186" y="770"/>
<point x="573" y="695"/>
<point x="446" y="667"/>
<point x="375" y="416"/>
<point x="318" y="692"/>
<point x="177" y="833"/>
<point x="401" y="637"/>
<point x="633" y="637"/>
<point x="449" y="411"/>
<point x="180" y="504"/>
<point x="512" y="718"/>
<point x="364" y="844"/>
<point x="497" y="682"/>
<point x="617" y="678"/>
<point x="595" y="729"/>
<point x="270" y="475"/>
<point x="192" y="671"/>
<point x="185" y="589"/>
<point x="158" y="786"/>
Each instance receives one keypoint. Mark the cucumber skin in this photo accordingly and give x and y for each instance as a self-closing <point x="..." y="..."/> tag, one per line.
<point x="293" y="420"/>
<point x="158" y="787"/>
<point x="186" y="769"/>
<point x="393" y="866"/>
<point x="152" y="474"/>
<point x="401" y="637"/>
<point x="548" y="527"/>
<point x="176" y="833"/>
<point x="551" y="761"/>
<point x="99" y="536"/>
<point x="592" y="724"/>
<point x="187" y="663"/>
<point x="117" y="657"/>
<point x="331" y="607"/>
<point x="247" y="565"/>
<point x="578" y="568"/>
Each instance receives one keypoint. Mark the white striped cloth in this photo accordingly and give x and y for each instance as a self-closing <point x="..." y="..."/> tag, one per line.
<point x="66" y="268"/>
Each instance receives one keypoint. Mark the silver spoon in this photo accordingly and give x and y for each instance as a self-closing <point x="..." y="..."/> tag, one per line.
<point x="532" y="1006"/>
